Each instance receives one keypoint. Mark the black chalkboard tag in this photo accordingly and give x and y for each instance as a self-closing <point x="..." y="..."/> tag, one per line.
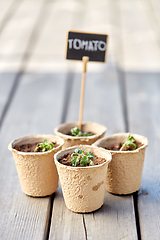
<point x="81" y="44"/>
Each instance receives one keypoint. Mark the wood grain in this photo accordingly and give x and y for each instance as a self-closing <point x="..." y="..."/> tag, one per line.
<point x="102" y="104"/>
<point x="144" y="97"/>
<point x="33" y="110"/>
<point x="64" y="223"/>
<point x="7" y="10"/>
<point x="122" y="93"/>
<point x="139" y="42"/>
<point x="5" y="89"/>
<point x="15" y="38"/>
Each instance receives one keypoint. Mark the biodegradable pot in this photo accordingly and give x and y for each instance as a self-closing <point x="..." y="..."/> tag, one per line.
<point x="124" y="173"/>
<point x="36" y="170"/>
<point x="83" y="187"/>
<point x="63" y="129"/>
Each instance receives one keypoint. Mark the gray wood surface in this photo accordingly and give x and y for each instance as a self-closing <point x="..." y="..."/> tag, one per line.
<point x="115" y="220"/>
<point x="7" y="9"/>
<point x="143" y="95"/>
<point x="102" y="104"/>
<point x="40" y="89"/>
<point x="14" y="47"/>
<point x="33" y="110"/>
<point x="141" y="71"/>
<point x="16" y="38"/>
<point x="6" y="87"/>
<point x="23" y="217"/>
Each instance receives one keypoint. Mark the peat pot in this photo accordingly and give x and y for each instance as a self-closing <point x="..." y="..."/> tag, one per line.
<point x="83" y="187"/>
<point x="36" y="170"/>
<point x="124" y="173"/>
<point x="64" y="129"/>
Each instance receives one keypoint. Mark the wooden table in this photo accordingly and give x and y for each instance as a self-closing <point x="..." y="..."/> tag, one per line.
<point x="39" y="89"/>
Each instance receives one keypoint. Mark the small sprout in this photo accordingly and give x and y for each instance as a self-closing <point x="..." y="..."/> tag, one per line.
<point x="78" y="133"/>
<point x="44" y="146"/>
<point x="130" y="142"/>
<point x="82" y="158"/>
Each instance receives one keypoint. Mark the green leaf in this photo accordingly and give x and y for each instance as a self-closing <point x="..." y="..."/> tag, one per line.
<point x="79" y="151"/>
<point x="75" y="131"/>
<point x="129" y="142"/>
<point x="84" y="161"/>
<point x="74" y="161"/>
<point x="91" y="163"/>
<point x="78" y="133"/>
<point x="45" y="146"/>
<point x="80" y="156"/>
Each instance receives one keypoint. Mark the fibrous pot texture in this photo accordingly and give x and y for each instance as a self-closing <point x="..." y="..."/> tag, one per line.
<point x="124" y="173"/>
<point x="83" y="187"/>
<point x="97" y="129"/>
<point x="36" y="170"/>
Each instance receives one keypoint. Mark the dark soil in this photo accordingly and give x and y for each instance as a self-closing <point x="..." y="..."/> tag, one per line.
<point x="66" y="160"/>
<point x="29" y="147"/>
<point x="117" y="146"/>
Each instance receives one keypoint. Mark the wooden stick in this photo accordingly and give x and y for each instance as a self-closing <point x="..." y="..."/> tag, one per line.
<point x="85" y="60"/>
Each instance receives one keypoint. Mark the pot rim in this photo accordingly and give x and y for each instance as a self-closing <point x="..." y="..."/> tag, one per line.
<point x="56" y="130"/>
<point x="119" y="134"/>
<point x="10" y="146"/>
<point x="70" y="149"/>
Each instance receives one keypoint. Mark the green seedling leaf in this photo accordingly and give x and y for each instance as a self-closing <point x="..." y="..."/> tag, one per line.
<point x="78" y="151"/>
<point x="78" y="133"/>
<point x="80" y="157"/>
<point x="91" y="163"/>
<point x="44" y="146"/>
<point x="84" y="161"/>
<point x="75" y="161"/>
<point x="129" y="142"/>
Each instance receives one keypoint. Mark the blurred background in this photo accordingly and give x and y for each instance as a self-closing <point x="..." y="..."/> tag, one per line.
<point x="34" y="33"/>
<point x="33" y="37"/>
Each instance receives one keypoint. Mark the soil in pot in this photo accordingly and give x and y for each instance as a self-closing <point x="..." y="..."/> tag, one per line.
<point x="66" y="160"/>
<point x="124" y="172"/>
<point x="82" y="170"/>
<point x="64" y="131"/>
<point x="36" y="170"/>
<point x="76" y="132"/>
<point x="117" y="146"/>
<point x="30" y="147"/>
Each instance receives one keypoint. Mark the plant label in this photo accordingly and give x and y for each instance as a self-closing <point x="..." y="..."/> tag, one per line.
<point x="92" y="45"/>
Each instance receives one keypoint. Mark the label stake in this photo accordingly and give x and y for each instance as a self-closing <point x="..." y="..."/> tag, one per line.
<point x="85" y="60"/>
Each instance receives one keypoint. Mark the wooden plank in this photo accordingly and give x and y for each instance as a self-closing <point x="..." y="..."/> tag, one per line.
<point x="156" y="6"/>
<point x="14" y="44"/>
<point x="7" y="7"/>
<point x="52" y="39"/>
<point x="98" y="110"/>
<point x="102" y="104"/>
<point x="101" y="93"/>
<point x="5" y="89"/>
<point x="143" y="95"/>
<point x="36" y="108"/>
<point x="117" y="212"/>
<point x="27" y="218"/>
<point x="142" y="89"/>
<point x="139" y="41"/>
<point x="151" y="9"/>
<point x="13" y="47"/>
<point x="61" y="16"/>
<point x="64" y="223"/>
